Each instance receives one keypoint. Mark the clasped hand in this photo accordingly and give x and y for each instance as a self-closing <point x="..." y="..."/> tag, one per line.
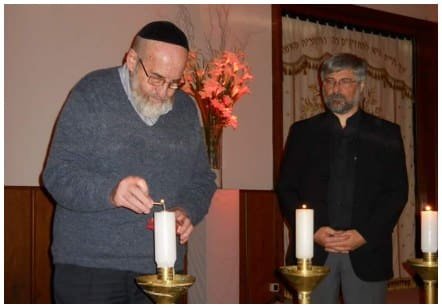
<point x="339" y="241"/>
<point x="132" y="192"/>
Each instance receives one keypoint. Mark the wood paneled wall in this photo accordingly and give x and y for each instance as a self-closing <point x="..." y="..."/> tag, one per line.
<point x="261" y="246"/>
<point x="28" y="213"/>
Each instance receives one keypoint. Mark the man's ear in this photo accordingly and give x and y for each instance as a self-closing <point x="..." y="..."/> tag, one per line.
<point x="131" y="59"/>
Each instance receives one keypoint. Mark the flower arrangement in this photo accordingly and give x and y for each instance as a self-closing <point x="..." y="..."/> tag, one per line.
<point x="216" y="86"/>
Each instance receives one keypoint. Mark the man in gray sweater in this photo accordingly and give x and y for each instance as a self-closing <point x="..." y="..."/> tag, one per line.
<point x="126" y="136"/>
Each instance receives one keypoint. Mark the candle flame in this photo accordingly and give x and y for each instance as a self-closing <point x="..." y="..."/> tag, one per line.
<point x="427" y="208"/>
<point x="304" y="206"/>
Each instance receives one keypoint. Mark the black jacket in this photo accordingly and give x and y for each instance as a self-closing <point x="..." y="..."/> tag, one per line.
<point x="380" y="190"/>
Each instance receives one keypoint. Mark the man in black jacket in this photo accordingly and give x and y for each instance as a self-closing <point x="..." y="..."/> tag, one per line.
<point x="349" y="167"/>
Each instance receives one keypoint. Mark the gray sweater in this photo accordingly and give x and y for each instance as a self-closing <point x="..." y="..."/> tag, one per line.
<point x="100" y="139"/>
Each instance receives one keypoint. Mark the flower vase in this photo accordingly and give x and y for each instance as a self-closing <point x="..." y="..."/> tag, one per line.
<point x="214" y="151"/>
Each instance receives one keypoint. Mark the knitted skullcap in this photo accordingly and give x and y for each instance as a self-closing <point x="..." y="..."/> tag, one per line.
<point x="164" y="31"/>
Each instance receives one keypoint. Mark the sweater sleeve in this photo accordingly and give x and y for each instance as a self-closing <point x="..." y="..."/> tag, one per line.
<point x="68" y="175"/>
<point x="196" y="196"/>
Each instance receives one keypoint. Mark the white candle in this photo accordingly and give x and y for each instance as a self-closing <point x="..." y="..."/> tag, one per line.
<point x="304" y="233"/>
<point x="428" y="230"/>
<point x="165" y="239"/>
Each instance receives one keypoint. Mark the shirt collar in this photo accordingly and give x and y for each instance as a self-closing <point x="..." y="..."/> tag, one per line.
<point x="352" y="122"/>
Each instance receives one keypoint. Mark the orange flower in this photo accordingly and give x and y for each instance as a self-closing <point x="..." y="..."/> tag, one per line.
<point x="221" y="82"/>
<point x="216" y="86"/>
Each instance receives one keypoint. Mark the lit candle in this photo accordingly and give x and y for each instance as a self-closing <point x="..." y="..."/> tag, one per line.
<point x="165" y="239"/>
<point x="428" y="230"/>
<point x="304" y="233"/>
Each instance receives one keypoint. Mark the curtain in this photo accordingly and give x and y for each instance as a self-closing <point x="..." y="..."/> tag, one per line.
<point x="388" y="95"/>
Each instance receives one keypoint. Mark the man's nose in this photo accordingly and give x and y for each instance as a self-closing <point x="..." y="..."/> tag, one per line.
<point x="162" y="91"/>
<point x="336" y="88"/>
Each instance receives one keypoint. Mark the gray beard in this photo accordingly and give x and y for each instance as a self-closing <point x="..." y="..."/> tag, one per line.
<point x="343" y="106"/>
<point x="148" y="110"/>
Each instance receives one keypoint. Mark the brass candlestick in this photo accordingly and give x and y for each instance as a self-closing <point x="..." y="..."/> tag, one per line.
<point x="165" y="287"/>
<point x="304" y="277"/>
<point x="426" y="268"/>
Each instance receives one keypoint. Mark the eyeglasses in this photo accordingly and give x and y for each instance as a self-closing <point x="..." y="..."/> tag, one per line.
<point x="342" y="83"/>
<point x="159" y="81"/>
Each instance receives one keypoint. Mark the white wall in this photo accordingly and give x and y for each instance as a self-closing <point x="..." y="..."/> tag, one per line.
<point x="213" y="252"/>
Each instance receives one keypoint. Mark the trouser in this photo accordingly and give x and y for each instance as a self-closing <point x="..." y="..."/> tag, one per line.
<point x="78" y="284"/>
<point x="354" y="290"/>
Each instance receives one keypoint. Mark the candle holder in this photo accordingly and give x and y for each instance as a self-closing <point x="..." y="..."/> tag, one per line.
<point x="165" y="287"/>
<point x="426" y="268"/>
<point x="304" y="277"/>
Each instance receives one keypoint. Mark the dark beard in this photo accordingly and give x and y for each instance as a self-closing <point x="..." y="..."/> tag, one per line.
<point x="337" y="103"/>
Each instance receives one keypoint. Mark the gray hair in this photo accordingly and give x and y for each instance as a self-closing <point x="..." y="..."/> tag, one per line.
<point x="344" y="61"/>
